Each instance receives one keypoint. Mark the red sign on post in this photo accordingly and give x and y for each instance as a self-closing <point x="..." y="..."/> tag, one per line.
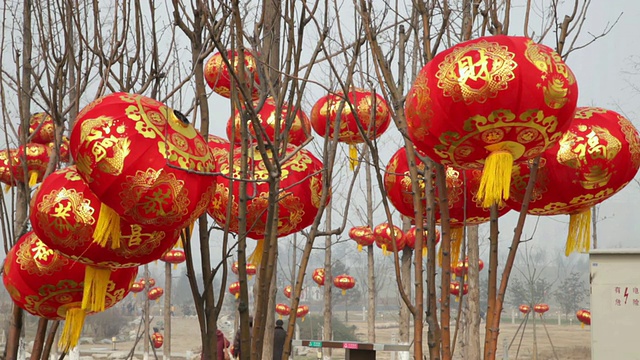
<point x="350" y="346"/>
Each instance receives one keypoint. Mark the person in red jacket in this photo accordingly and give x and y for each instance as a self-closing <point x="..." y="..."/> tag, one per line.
<point x="223" y="345"/>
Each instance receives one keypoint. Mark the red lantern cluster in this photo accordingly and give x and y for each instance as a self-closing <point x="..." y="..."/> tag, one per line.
<point x="541" y="308"/>
<point x="344" y="282"/>
<point x="157" y="339"/>
<point x="219" y="78"/>
<point x="152" y="282"/>
<point x="283" y="310"/>
<point x="584" y="316"/>
<point x="362" y="235"/>
<point x="386" y="236"/>
<point x="488" y="102"/>
<point x="318" y="276"/>
<point x="302" y="311"/>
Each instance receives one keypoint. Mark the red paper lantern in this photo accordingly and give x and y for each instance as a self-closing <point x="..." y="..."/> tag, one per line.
<point x="64" y="154"/>
<point x="385" y="236"/>
<point x="36" y="157"/>
<point x="344" y="282"/>
<point x="488" y="102"/>
<point x="287" y="291"/>
<point x="525" y="309"/>
<point x="157" y="340"/>
<point x="300" y="192"/>
<point x="318" y="276"/>
<point x="43" y="282"/>
<point x="137" y="287"/>
<point x="596" y="157"/>
<point x="216" y="73"/>
<point x="174" y="256"/>
<point x="302" y="311"/>
<point x="234" y="289"/>
<point x="584" y="316"/>
<point x="283" y="310"/>
<point x="155" y="293"/>
<point x="410" y="239"/>
<point x="454" y="289"/>
<point x="541" y="308"/>
<point x="152" y="282"/>
<point x="268" y="116"/>
<point x="41" y="129"/>
<point x="219" y="148"/>
<point x="144" y="161"/>
<point x="398" y="183"/>
<point x="362" y="235"/>
<point x="462" y="267"/>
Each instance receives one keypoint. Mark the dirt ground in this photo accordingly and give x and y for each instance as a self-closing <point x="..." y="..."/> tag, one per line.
<point x="569" y="341"/>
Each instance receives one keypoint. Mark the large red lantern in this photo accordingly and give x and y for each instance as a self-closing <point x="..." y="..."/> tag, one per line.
<point x="299" y="197"/>
<point x="525" y="309"/>
<point x="144" y="161"/>
<point x="269" y="115"/>
<point x="541" y="308"/>
<point x="318" y="276"/>
<point x="584" y="316"/>
<point x="155" y="293"/>
<point x="358" y="106"/>
<point x="174" y="256"/>
<point x="283" y="310"/>
<point x="362" y="235"/>
<point x="157" y="339"/>
<point x="488" y="102"/>
<point x="596" y="157"/>
<point x="386" y="236"/>
<point x="410" y="239"/>
<point x="41" y="129"/>
<point x="302" y="311"/>
<point x="219" y="148"/>
<point x="43" y="282"/>
<point x="217" y="75"/>
<point x="287" y="291"/>
<point x="344" y="282"/>
<point x="234" y="289"/>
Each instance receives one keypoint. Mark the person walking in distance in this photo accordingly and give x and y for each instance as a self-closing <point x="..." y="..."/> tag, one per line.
<point x="279" y="336"/>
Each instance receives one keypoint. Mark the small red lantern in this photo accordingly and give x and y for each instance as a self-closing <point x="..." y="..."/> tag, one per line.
<point x="372" y="112"/>
<point x="152" y="282"/>
<point x="216" y="73"/>
<point x="386" y="235"/>
<point x="462" y="267"/>
<point x="174" y="256"/>
<point x="344" y="282"/>
<point x="234" y="289"/>
<point x="283" y="310"/>
<point x="36" y="157"/>
<point x="454" y="289"/>
<point x="157" y="340"/>
<point x="541" y="308"/>
<point x="155" y="293"/>
<point x="318" y="276"/>
<point x="144" y="161"/>
<point x="525" y="309"/>
<point x="268" y="116"/>
<point x="362" y="235"/>
<point x="137" y="287"/>
<point x="584" y="316"/>
<point x="410" y="239"/>
<point x="251" y="269"/>
<point x="287" y="291"/>
<point x="487" y="102"/>
<point x="302" y="311"/>
<point x="41" y="129"/>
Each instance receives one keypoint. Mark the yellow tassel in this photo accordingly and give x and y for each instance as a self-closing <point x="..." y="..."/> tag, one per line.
<point x="581" y="325"/>
<point x="237" y="295"/>
<point x="359" y="247"/>
<point x="179" y="244"/>
<point x="256" y="257"/>
<point x="496" y="178"/>
<point x="96" y="281"/>
<point x="344" y="292"/>
<point x="33" y="178"/>
<point x="456" y="242"/>
<point x="353" y="156"/>
<point x="175" y="266"/>
<point x="424" y="250"/>
<point x="107" y="228"/>
<point x="457" y="298"/>
<point x="579" y="238"/>
<point x="74" y="319"/>
<point x="384" y="250"/>
<point x="135" y="295"/>
<point x="303" y="319"/>
<point x="7" y="188"/>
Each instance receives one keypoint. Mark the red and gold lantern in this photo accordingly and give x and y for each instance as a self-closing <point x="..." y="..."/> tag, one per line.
<point x="344" y="282"/>
<point x="318" y="276"/>
<point x="410" y="239"/>
<point x="41" y="129"/>
<point x="386" y="236"/>
<point x="137" y="287"/>
<point x="584" y="316"/>
<point x="454" y="289"/>
<point x="462" y="267"/>
<point x="155" y="293"/>
<point x="157" y="339"/>
<point x="174" y="256"/>
<point x="273" y="119"/>
<point x="144" y="161"/>
<point x="299" y="196"/>
<point x="219" y="148"/>
<point x="287" y="291"/>
<point x="596" y="157"/>
<point x="488" y="102"/>
<point x="152" y="282"/>
<point x="398" y="183"/>
<point x="251" y="269"/>
<point x="541" y="308"/>
<point x="362" y="235"/>
<point x="525" y="309"/>
<point x="283" y="310"/>
<point x="47" y="284"/>
<point x="36" y="157"/>
<point x="217" y="75"/>
<point x="234" y="289"/>
<point x="302" y="311"/>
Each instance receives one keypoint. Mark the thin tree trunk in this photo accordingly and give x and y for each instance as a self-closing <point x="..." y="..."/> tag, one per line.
<point x="405" y="269"/>
<point x="38" y="343"/>
<point x="327" y="330"/>
<point x="473" y="299"/>
<point x="48" y="345"/>
<point x="166" y="347"/>
<point x="267" y="348"/>
<point x="371" y="274"/>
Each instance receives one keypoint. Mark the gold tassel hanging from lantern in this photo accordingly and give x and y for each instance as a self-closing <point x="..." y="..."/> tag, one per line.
<point x="496" y="178"/>
<point x="353" y="157"/>
<point x="107" y="228"/>
<point x="33" y="178"/>
<point x="256" y="257"/>
<point x="73" y="322"/>
<point x="579" y="237"/>
<point x="359" y="247"/>
<point x="457" y="234"/>
<point x="96" y="281"/>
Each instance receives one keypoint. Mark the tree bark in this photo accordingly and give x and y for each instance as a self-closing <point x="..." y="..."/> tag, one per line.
<point x="327" y="331"/>
<point x="371" y="274"/>
<point x="38" y="343"/>
<point x="472" y="348"/>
